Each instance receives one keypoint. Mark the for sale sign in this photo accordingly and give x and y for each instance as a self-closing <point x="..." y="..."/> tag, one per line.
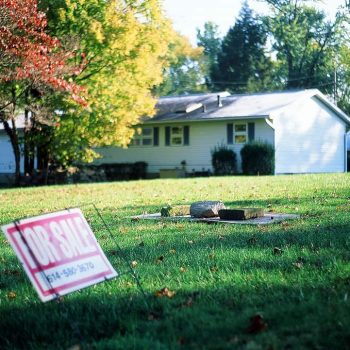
<point x="59" y="253"/>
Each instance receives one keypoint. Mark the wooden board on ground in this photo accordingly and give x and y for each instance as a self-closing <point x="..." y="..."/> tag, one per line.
<point x="268" y="218"/>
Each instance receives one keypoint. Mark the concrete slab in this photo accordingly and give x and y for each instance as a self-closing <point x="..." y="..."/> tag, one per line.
<point x="268" y="218"/>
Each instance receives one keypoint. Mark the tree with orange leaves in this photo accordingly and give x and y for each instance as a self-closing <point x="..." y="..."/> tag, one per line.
<point x="33" y="65"/>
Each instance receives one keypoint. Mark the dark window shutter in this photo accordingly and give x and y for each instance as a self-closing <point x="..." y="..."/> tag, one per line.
<point x="186" y="135"/>
<point x="156" y="136"/>
<point x="251" y="132"/>
<point x="229" y="134"/>
<point x="167" y="136"/>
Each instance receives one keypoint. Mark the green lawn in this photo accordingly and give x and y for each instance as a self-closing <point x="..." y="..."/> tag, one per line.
<point x="222" y="276"/>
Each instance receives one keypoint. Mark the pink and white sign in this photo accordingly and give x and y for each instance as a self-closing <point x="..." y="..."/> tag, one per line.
<point x="59" y="252"/>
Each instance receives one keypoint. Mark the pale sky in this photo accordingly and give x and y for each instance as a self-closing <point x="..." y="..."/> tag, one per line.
<point x="187" y="15"/>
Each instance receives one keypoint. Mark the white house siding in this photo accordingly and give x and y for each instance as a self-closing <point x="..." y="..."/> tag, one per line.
<point x="309" y="138"/>
<point x="204" y="136"/>
<point x="7" y="161"/>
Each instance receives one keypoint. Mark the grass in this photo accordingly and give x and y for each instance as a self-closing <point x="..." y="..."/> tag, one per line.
<point x="222" y="276"/>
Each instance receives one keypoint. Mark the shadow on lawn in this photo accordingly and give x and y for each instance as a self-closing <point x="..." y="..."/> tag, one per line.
<point x="300" y="316"/>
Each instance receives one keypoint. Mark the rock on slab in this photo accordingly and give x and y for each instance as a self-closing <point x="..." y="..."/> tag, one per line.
<point x="206" y="209"/>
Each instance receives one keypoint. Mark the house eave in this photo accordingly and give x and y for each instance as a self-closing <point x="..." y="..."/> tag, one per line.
<point x="214" y="119"/>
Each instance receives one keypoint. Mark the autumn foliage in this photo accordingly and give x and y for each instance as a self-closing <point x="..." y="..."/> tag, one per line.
<point x="33" y="67"/>
<point x="28" y="54"/>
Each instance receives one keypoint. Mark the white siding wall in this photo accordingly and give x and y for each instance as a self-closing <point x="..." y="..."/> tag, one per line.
<point x="7" y="159"/>
<point x="204" y="136"/>
<point x="309" y="138"/>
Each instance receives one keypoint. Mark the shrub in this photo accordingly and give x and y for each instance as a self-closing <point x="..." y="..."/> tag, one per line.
<point x="125" y="171"/>
<point x="258" y="158"/>
<point x="224" y="160"/>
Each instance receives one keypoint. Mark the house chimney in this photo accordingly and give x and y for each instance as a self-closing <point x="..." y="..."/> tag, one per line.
<point x="219" y="101"/>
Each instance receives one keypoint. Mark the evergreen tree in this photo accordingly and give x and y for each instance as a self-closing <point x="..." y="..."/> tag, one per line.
<point x="211" y="42"/>
<point x="242" y="63"/>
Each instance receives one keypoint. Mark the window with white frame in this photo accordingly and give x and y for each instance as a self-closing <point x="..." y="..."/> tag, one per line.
<point x="176" y="135"/>
<point x="143" y="137"/>
<point x="240" y="133"/>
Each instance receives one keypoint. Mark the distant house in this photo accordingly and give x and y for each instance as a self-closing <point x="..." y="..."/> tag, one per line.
<point x="7" y="158"/>
<point x="307" y="130"/>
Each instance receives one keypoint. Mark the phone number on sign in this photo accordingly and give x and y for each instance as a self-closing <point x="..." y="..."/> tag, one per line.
<point x="70" y="271"/>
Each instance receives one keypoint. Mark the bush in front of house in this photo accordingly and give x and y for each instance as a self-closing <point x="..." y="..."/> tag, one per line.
<point x="258" y="158"/>
<point x="125" y="171"/>
<point x="224" y="160"/>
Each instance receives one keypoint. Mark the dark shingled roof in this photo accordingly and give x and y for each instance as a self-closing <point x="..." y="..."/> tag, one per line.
<point x="205" y="106"/>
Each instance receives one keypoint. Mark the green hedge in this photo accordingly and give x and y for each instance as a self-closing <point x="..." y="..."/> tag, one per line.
<point x="224" y="160"/>
<point x="258" y="158"/>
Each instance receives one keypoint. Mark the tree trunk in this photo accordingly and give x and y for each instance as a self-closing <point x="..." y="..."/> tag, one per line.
<point x="29" y="146"/>
<point x="26" y="143"/>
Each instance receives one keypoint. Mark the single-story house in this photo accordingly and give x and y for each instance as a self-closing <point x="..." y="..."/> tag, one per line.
<point x="308" y="131"/>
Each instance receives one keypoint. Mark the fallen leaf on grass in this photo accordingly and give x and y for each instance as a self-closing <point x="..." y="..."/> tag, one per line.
<point x="214" y="268"/>
<point x="257" y="324"/>
<point x="183" y="269"/>
<point x="133" y="263"/>
<point x="298" y="264"/>
<point x="190" y="242"/>
<point x="11" y="295"/>
<point x="277" y="251"/>
<point x="172" y="251"/>
<point x="164" y="292"/>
